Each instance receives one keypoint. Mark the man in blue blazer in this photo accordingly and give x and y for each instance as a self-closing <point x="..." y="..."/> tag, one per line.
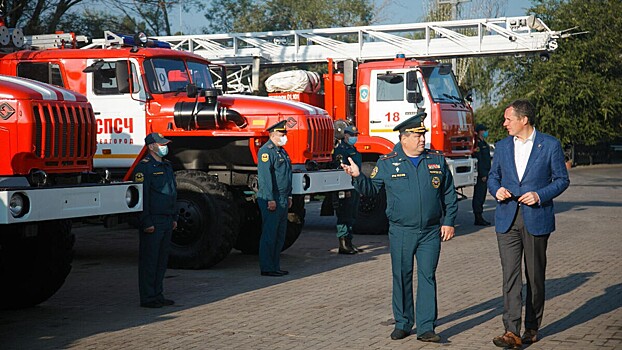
<point x="528" y="171"/>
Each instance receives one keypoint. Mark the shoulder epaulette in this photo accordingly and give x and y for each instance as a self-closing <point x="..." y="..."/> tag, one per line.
<point x="270" y="145"/>
<point x="433" y="151"/>
<point x="145" y="160"/>
<point x="388" y="156"/>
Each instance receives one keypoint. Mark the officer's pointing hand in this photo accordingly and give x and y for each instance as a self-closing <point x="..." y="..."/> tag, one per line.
<point x="447" y="233"/>
<point x="352" y="169"/>
<point x="272" y="205"/>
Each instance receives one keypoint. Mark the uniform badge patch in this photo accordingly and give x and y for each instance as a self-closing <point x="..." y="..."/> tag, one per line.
<point x="265" y="157"/>
<point x="374" y="172"/>
<point x="436" y="182"/>
<point x="139" y="177"/>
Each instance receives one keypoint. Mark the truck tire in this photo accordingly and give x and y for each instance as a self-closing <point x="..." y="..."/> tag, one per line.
<point x="250" y="232"/>
<point x="370" y="217"/>
<point x="34" y="266"/>
<point x="206" y="229"/>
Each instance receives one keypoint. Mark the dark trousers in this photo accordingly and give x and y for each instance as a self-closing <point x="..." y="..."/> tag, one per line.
<point x="153" y="257"/>
<point x="405" y="246"/>
<point x="273" y="231"/>
<point x="346" y="212"/>
<point x="512" y="246"/>
<point x="479" y="196"/>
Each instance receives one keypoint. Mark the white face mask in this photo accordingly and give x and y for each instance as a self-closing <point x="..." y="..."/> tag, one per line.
<point x="162" y="150"/>
<point x="282" y="140"/>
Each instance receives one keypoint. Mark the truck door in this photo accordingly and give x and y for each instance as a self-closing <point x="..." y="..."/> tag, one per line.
<point x="389" y="105"/>
<point x="120" y="114"/>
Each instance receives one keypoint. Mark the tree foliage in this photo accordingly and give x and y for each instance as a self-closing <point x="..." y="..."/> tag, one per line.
<point x="36" y="17"/>
<point x="577" y="92"/>
<point x="226" y="16"/>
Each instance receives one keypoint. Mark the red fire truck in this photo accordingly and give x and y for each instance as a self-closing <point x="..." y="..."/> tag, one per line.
<point x="137" y="86"/>
<point x="46" y="179"/>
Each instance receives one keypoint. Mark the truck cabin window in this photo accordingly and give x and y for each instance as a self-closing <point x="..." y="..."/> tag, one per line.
<point x="390" y="87"/>
<point x="44" y="72"/>
<point x="172" y="75"/>
<point x="442" y="85"/>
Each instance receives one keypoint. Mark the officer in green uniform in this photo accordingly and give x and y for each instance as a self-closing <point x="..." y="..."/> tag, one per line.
<point x="482" y="153"/>
<point x="421" y="208"/>
<point x="346" y="210"/>
<point x="274" y="172"/>
<point x="158" y="220"/>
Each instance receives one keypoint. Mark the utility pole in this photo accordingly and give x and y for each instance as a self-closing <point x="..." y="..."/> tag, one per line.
<point x="454" y="16"/>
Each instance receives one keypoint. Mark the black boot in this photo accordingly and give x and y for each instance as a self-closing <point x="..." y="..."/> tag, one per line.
<point x="351" y="245"/>
<point x="480" y="221"/>
<point x="344" y="248"/>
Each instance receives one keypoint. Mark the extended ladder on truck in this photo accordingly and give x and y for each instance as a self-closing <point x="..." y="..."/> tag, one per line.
<point x="430" y="40"/>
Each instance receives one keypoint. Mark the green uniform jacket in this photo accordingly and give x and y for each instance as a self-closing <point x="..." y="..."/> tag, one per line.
<point x="418" y="198"/>
<point x="159" y="189"/>
<point x="345" y="150"/>
<point x="482" y="153"/>
<point x="274" y="170"/>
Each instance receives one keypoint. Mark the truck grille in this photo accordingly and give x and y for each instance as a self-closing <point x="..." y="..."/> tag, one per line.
<point x="63" y="133"/>
<point x="320" y="135"/>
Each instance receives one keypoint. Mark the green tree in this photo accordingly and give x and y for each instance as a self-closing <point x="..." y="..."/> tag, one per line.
<point x="226" y="16"/>
<point x="577" y="92"/>
<point x="36" y="17"/>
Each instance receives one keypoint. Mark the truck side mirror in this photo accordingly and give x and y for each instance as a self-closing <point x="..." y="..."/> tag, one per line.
<point x="469" y="97"/>
<point x="123" y="76"/>
<point x="348" y="72"/>
<point x="191" y="90"/>
<point x="414" y="97"/>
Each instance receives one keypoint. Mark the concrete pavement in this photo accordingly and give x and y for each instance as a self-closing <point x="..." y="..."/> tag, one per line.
<point x="331" y="301"/>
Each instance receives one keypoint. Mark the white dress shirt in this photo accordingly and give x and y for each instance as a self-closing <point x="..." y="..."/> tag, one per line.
<point x="522" y="150"/>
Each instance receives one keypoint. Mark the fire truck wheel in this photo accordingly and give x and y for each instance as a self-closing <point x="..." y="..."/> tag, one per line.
<point x="250" y="232"/>
<point x="207" y="228"/>
<point x="371" y="218"/>
<point x="34" y="265"/>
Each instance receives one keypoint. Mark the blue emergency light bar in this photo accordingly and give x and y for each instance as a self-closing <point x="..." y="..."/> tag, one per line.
<point x="143" y="41"/>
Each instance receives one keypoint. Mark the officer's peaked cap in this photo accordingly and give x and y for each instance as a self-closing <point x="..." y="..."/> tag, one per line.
<point x="480" y="127"/>
<point x="155" y="137"/>
<point x="412" y="124"/>
<point x="351" y="130"/>
<point x="280" y="127"/>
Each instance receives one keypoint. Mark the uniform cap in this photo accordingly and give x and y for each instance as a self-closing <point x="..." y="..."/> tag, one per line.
<point x="155" y="137"/>
<point x="412" y="124"/>
<point x="480" y="127"/>
<point x="280" y="127"/>
<point x="351" y="130"/>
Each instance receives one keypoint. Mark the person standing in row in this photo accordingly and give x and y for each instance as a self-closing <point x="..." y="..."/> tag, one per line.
<point x="527" y="172"/>
<point x="421" y="208"/>
<point x="348" y="206"/>
<point x="482" y="154"/>
<point x="158" y="220"/>
<point x="274" y="172"/>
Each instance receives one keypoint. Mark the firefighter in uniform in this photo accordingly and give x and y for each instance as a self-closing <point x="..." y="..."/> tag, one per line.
<point x="158" y="220"/>
<point x="347" y="206"/>
<point x="482" y="153"/>
<point x="274" y="172"/>
<point x="421" y="208"/>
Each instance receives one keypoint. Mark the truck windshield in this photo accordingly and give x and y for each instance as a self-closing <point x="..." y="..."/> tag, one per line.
<point x="174" y="74"/>
<point x="442" y="85"/>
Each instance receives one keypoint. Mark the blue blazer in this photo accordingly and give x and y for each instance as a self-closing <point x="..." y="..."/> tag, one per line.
<point x="545" y="174"/>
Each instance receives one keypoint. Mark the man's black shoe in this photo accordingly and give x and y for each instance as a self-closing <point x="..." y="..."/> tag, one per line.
<point x="283" y="272"/>
<point x="166" y="302"/>
<point x="271" y="273"/>
<point x="152" y="304"/>
<point x="344" y="248"/>
<point x="480" y="221"/>
<point x="429" y="336"/>
<point x="399" y="334"/>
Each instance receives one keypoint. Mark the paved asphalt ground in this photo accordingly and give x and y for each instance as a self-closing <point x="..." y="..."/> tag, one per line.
<point x="330" y="301"/>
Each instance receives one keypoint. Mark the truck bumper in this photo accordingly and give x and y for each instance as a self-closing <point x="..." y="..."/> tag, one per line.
<point x="321" y="181"/>
<point x="39" y="204"/>
<point x="464" y="171"/>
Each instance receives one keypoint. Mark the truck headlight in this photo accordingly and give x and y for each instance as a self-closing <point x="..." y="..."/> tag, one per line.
<point x="131" y="196"/>
<point x="19" y="205"/>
